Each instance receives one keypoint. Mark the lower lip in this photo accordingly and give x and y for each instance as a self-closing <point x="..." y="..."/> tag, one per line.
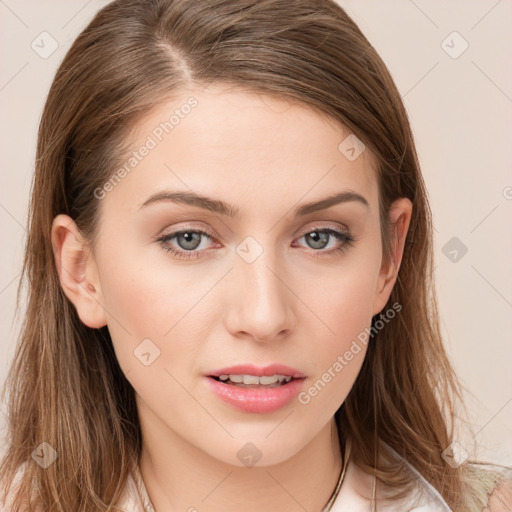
<point x="256" y="400"/>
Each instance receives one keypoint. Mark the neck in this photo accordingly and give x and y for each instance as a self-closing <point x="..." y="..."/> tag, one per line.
<point x="179" y="476"/>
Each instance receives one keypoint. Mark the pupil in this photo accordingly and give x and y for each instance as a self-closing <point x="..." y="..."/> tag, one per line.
<point x="319" y="239"/>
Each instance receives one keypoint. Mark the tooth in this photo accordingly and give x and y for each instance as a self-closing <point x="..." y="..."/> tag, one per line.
<point x="269" y="380"/>
<point x="253" y="379"/>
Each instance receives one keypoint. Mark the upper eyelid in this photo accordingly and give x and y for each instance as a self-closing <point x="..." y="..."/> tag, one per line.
<point x="315" y="227"/>
<point x="186" y="230"/>
<point x="211" y="235"/>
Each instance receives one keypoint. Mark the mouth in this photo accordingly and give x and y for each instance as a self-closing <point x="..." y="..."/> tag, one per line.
<point x="256" y="390"/>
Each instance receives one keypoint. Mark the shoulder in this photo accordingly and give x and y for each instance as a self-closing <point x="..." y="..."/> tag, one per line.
<point x="492" y="486"/>
<point x="489" y="489"/>
<point x="500" y="499"/>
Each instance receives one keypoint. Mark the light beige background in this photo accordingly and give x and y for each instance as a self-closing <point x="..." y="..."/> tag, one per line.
<point x="461" y="112"/>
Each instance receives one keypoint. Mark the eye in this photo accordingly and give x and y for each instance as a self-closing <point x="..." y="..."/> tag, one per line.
<point x="187" y="240"/>
<point x="320" y="239"/>
<point x="187" y="243"/>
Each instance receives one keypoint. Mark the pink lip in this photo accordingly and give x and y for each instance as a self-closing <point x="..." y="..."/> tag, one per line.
<point x="258" y="401"/>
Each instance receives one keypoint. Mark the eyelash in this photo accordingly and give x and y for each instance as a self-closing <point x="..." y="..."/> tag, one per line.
<point x="344" y="236"/>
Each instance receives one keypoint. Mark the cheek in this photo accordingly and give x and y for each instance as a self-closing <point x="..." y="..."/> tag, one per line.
<point x="338" y="355"/>
<point x="344" y="308"/>
<point x="137" y="298"/>
<point x="150" y="298"/>
<point x="342" y="352"/>
<point x="345" y="299"/>
<point x="143" y="301"/>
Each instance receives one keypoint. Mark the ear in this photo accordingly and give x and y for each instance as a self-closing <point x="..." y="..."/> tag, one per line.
<point x="77" y="270"/>
<point x="399" y="217"/>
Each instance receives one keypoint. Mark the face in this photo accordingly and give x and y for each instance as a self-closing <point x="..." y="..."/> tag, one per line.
<point x="247" y="283"/>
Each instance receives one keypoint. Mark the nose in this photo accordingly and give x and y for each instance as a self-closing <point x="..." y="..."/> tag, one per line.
<point x="260" y="303"/>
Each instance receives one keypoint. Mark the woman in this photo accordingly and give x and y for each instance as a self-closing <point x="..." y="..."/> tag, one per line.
<point x="229" y="265"/>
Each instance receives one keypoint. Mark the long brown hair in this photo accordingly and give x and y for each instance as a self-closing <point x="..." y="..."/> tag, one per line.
<point x="65" y="385"/>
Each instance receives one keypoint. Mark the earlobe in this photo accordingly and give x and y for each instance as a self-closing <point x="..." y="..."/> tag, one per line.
<point x="77" y="271"/>
<point x="400" y="214"/>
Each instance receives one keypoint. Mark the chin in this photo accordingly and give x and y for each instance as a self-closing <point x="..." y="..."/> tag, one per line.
<point x="256" y="450"/>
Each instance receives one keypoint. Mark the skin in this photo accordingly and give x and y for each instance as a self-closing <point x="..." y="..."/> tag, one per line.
<point x="294" y="304"/>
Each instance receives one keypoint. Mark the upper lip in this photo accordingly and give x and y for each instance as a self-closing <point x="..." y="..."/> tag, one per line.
<point x="259" y="371"/>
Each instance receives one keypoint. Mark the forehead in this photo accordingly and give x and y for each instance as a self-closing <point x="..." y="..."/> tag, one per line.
<point x="244" y="147"/>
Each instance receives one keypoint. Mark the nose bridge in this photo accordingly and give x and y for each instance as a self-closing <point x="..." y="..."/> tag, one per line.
<point x="261" y="303"/>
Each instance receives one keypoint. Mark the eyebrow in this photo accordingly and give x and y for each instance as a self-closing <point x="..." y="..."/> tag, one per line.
<point x="222" y="208"/>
